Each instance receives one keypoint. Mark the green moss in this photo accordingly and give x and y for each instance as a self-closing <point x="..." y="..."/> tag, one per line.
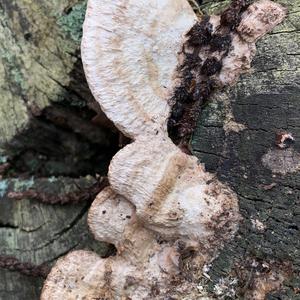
<point x="3" y="159"/>
<point x="214" y="7"/>
<point x="71" y="23"/>
<point x="3" y="187"/>
<point x="23" y="185"/>
<point x="14" y="72"/>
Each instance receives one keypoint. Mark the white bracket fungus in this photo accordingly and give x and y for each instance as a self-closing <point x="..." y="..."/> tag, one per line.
<point x="129" y="52"/>
<point x="164" y="213"/>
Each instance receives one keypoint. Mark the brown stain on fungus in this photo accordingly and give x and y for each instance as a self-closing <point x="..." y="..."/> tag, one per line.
<point x="196" y="74"/>
<point x="216" y="51"/>
<point x="231" y="17"/>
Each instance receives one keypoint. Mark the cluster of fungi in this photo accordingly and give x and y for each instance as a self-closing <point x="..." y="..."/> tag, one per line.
<point x="150" y="65"/>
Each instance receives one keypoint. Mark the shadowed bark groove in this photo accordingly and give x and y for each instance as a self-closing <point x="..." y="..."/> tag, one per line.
<point x="53" y="142"/>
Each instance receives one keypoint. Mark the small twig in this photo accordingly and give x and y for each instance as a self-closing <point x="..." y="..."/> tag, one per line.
<point x="13" y="264"/>
<point x="82" y="195"/>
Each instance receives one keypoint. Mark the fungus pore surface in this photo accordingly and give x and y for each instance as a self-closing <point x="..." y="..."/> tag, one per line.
<point x="151" y="65"/>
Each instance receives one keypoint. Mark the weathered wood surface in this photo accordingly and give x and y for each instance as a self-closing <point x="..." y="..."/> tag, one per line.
<point x="46" y="130"/>
<point x="235" y="138"/>
<point x="48" y="142"/>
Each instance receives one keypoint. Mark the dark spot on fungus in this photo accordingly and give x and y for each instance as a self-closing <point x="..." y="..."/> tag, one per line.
<point x="181" y="245"/>
<point x="211" y="66"/>
<point x="196" y="74"/>
<point x="200" y="33"/>
<point x="220" y="43"/>
<point x="183" y="95"/>
<point x="232" y="15"/>
<point x="192" y="61"/>
<point x="104" y="212"/>
<point x="155" y="290"/>
<point x="177" y="111"/>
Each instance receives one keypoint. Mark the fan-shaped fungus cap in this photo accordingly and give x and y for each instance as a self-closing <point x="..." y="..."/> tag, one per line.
<point x="85" y="275"/>
<point x="113" y="219"/>
<point x="260" y="18"/>
<point x="161" y="201"/>
<point x="173" y="194"/>
<point x="129" y="52"/>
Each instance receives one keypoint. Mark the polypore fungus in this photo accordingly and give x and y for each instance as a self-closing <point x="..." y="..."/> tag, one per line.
<point x="149" y="63"/>
<point x="217" y="50"/>
<point x="129" y="54"/>
<point x="172" y="193"/>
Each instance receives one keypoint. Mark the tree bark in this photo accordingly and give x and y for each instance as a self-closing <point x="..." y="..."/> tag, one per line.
<point x="235" y="138"/>
<point x="53" y="142"/>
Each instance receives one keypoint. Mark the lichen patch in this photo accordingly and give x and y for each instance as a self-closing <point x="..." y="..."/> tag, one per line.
<point x="282" y="161"/>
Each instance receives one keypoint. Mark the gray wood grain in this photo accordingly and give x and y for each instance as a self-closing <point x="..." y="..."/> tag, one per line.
<point x="235" y="138"/>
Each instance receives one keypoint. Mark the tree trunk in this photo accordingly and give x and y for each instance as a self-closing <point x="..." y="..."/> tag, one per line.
<point x="53" y="142"/>
<point x="235" y="138"/>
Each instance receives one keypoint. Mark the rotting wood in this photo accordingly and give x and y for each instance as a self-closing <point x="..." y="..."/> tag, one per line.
<point x="217" y="141"/>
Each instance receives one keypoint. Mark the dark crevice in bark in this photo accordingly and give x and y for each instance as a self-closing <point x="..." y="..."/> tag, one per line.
<point x="8" y="226"/>
<point x="64" y="139"/>
<point x="60" y="142"/>
<point x="69" y="227"/>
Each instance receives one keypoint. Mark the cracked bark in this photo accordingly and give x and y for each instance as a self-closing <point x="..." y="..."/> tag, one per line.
<point x="263" y="102"/>
<point x="51" y="131"/>
<point x="53" y="141"/>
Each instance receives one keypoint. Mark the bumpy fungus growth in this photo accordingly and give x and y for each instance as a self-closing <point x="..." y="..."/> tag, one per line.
<point x="149" y="63"/>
